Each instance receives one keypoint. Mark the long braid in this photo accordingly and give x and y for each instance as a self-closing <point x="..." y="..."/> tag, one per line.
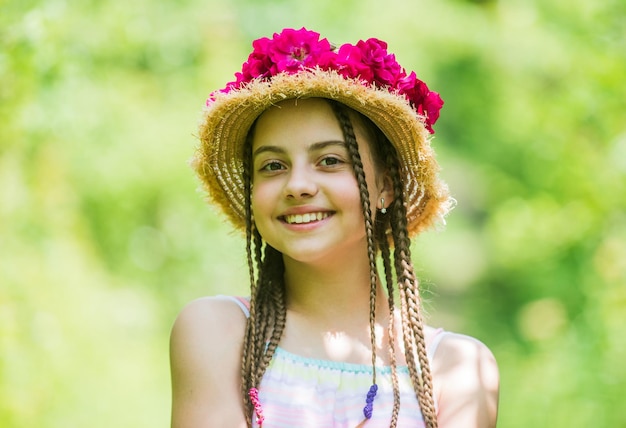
<point x="271" y="286"/>
<point x="248" y="342"/>
<point x="357" y="166"/>
<point x="271" y="318"/>
<point x="267" y="319"/>
<point x="256" y="305"/>
<point x="412" y="323"/>
<point x="383" y="245"/>
<point x="275" y="301"/>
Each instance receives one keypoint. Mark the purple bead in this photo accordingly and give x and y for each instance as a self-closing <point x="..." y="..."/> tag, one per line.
<point x="369" y="406"/>
<point x="367" y="410"/>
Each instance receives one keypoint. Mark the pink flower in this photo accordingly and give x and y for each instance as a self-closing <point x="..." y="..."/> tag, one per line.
<point x="425" y="102"/>
<point x="294" y="50"/>
<point x="350" y="63"/>
<point x="259" y="63"/>
<point x="369" y="61"/>
<point x="384" y="67"/>
<point x="289" y="51"/>
<point x="413" y="88"/>
<point x="432" y="105"/>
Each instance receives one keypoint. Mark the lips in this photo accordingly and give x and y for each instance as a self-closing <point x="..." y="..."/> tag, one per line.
<point x="305" y="218"/>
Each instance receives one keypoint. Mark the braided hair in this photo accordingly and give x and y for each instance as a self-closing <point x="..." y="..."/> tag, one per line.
<point x="268" y="310"/>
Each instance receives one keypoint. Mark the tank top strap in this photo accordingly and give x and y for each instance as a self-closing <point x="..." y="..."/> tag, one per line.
<point x="242" y="302"/>
<point x="435" y="340"/>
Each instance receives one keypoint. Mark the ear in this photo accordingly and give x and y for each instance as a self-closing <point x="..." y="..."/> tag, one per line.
<point x="385" y="190"/>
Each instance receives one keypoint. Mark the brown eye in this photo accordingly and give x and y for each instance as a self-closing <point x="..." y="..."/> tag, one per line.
<point x="330" y="161"/>
<point x="272" y="166"/>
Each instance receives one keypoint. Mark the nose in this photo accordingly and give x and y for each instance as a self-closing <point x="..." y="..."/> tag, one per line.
<point x="300" y="183"/>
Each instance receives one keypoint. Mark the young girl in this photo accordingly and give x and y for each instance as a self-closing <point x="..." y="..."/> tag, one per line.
<point x="322" y="156"/>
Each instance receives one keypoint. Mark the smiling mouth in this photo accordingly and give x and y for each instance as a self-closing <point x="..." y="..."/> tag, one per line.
<point x="305" y="218"/>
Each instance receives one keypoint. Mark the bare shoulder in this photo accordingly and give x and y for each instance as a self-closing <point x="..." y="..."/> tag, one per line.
<point x="205" y="357"/>
<point x="214" y="317"/>
<point x="466" y="382"/>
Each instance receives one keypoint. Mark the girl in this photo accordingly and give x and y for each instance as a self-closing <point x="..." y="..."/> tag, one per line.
<point x="321" y="155"/>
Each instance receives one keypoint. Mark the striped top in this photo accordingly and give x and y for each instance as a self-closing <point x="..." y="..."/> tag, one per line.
<point x="306" y="393"/>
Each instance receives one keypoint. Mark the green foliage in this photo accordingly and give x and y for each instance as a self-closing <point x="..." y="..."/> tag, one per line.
<point x="104" y="237"/>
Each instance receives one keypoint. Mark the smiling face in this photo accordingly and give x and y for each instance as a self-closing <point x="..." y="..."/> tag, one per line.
<point x="305" y="197"/>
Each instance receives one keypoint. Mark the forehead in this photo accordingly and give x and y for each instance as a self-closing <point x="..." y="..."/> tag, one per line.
<point x="309" y="119"/>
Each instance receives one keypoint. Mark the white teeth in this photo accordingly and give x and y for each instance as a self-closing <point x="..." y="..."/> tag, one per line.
<point x="305" y="218"/>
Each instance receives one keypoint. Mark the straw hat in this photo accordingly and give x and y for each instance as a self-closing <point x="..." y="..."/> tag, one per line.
<point x="364" y="77"/>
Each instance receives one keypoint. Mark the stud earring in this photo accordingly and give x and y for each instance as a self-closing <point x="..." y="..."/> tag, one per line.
<point x="383" y="210"/>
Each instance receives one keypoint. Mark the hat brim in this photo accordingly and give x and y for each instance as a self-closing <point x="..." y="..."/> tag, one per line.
<point x="227" y="120"/>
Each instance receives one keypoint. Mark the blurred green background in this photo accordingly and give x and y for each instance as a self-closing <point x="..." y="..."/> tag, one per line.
<point x="104" y="235"/>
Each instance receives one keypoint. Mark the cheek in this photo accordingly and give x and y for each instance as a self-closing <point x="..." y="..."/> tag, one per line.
<point x="262" y="198"/>
<point x="348" y="197"/>
<point x="255" y="199"/>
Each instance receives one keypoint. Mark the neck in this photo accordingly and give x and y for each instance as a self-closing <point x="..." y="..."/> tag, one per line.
<point x="330" y="291"/>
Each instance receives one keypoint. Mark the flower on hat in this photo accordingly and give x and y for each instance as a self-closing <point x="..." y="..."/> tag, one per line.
<point x="292" y="51"/>
<point x="424" y="101"/>
<point x="371" y="61"/>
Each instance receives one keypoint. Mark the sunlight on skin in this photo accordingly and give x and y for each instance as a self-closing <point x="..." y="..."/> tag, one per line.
<point x="339" y="346"/>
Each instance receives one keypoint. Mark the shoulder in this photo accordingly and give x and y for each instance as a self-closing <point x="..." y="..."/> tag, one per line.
<point x="466" y="382"/>
<point x="205" y="357"/>
<point x="211" y="309"/>
<point x="208" y="322"/>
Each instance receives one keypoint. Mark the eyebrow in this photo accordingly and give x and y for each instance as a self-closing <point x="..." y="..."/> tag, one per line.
<point x="313" y="147"/>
